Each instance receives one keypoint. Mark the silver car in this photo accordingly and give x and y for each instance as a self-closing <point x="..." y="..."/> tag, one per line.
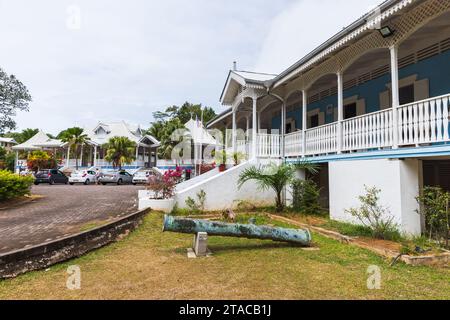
<point x="116" y="177"/>
<point x="141" y="177"/>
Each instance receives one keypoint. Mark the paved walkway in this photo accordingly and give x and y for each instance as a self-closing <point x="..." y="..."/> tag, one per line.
<point x="64" y="210"/>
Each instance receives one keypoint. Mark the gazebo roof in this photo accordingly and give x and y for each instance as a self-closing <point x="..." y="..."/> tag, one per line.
<point x="39" y="141"/>
<point x="8" y="140"/>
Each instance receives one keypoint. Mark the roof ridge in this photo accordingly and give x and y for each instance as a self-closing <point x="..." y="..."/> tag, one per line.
<point x="255" y="72"/>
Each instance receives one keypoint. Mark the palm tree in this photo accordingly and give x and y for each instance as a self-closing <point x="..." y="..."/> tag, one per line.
<point x="121" y="150"/>
<point x="274" y="177"/>
<point x="74" y="137"/>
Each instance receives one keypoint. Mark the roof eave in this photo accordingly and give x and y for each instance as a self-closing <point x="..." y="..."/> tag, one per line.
<point x="346" y="31"/>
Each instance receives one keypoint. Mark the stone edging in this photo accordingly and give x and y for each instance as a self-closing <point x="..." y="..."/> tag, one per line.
<point x="432" y="260"/>
<point x="44" y="255"/>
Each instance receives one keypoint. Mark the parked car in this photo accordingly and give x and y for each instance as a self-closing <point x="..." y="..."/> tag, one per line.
<point x="141" y="177"/>
<point x="51" y="177"/>
<point x="86" y="177"/>
<point x="117" y="177"/>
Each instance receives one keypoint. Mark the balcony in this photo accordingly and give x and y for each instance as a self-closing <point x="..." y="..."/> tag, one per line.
<point x="422" y="123"/>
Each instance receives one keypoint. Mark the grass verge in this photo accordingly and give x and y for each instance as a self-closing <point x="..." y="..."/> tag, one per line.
<point x="150" y="264"/>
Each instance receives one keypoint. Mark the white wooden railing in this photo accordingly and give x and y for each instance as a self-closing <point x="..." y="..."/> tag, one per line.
<point x="294" y="144"/>
<point x="100" y="163"/>
<point x="269" y="145"/>
<point x="419" y="123"/>
<point x="321" y="140"/>
<point x="425" y="121"/>
<point x="369" y="131"/>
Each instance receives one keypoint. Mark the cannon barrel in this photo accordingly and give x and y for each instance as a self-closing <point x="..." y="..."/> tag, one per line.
<point x="191" y="226"/>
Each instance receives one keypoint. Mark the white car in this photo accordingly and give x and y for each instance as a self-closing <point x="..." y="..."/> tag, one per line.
<point x="141" y="177"/>
<point x="86" y="177"/>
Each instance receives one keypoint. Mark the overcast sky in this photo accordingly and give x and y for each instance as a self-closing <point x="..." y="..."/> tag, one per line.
<point x="86" y="61"/>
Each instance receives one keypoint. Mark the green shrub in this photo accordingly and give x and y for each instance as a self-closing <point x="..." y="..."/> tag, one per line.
<point x="435" y="207"/>
<point x="13" y="185"/>
<point x="378" y="218"/>
<point x="197" y="207"/>
<point x="306" y="197"/>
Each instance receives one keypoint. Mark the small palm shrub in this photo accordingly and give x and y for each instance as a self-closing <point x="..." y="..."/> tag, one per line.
<point x="374" y="216"/>
<point x="435" y="207"/>
<point x="274" y="177"/>
<point x="306" y="197"/>
<point x="14" y="186"/>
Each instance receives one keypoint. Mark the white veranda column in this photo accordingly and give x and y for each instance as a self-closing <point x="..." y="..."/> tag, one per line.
<point x="395" y="93"/>
<point x="254" y="129"/>
<point x="234" y="133"/>
<point x="137" y="155"/>
<point x="340" y="82"/>
<point x="95" y="156"/>
<point x="283" y="130"/>
<point x="16" y="163"/>
<point x="304" y="119"/>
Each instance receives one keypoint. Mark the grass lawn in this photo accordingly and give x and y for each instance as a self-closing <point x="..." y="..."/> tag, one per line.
<point x="152" y="265"/>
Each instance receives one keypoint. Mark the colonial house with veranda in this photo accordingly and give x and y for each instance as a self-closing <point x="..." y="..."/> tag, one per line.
<point x="92" y="154"/>
<point x="370" y="106"/>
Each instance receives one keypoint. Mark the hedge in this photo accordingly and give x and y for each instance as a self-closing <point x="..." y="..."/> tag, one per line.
<point x="14" y="186"/>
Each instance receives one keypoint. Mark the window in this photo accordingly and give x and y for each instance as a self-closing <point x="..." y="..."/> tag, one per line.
<point x="315" y="121"/>
<point x="350" y="111"/>
<point x="406" y="94"/>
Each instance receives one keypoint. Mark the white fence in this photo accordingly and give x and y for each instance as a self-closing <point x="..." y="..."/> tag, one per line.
<point x="269" y="145"/>
<point x="369" y="131"/>
<point x="294" y="144"/>
<point x="425" y="121"/>
<point x="321" y="140"/>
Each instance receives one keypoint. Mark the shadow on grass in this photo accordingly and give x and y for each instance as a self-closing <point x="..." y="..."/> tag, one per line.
<point x="251" y="247"/>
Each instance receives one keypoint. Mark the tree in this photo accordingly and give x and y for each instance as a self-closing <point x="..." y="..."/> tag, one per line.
<point x="120" y="151"/>
<point x="274" y="177"/>
<point x="173" y="118"/>
<point x="74" y="137"/>
<point x="21" y="137"/>
<point x="14" y="96"/>
<point x="38" y="160"/>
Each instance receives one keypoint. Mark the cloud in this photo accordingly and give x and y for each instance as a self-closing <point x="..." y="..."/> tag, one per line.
<point x="130" y="58"/>
<point x="303" y="26"/>
<point x="127" y="59"/>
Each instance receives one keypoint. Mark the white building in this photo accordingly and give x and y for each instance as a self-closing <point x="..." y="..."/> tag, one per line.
<point x="7" y="143"/>
<point x="92" y="154"/>
<point x="370" y="105"/>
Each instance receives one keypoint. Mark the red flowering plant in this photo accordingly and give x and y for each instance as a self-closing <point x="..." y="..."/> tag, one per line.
<point x="204" y="168"/>
<point x="163" y="186"/>
<point x="176" y="174"/>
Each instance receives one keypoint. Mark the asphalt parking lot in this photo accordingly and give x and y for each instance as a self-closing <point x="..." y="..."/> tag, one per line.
<point x="63" y="210"/>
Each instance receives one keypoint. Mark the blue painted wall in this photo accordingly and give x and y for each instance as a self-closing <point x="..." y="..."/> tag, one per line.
<point x="436" y="69"/>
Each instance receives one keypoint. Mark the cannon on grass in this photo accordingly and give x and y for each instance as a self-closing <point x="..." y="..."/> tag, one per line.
<point x="202" y="228"/>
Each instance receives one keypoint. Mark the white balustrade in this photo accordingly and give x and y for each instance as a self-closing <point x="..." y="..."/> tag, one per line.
<point x="269" y="145"/>
<point x="424" y="122"/>
<point x="373" y="130"/>
<point x="293" y="143"/>
<point x="321" y="140"/>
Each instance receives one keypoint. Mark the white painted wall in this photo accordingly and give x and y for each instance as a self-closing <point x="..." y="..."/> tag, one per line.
<point x="196" y="180"/>
<point x="222" y="191"/>
<point x="399" y="181"/>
